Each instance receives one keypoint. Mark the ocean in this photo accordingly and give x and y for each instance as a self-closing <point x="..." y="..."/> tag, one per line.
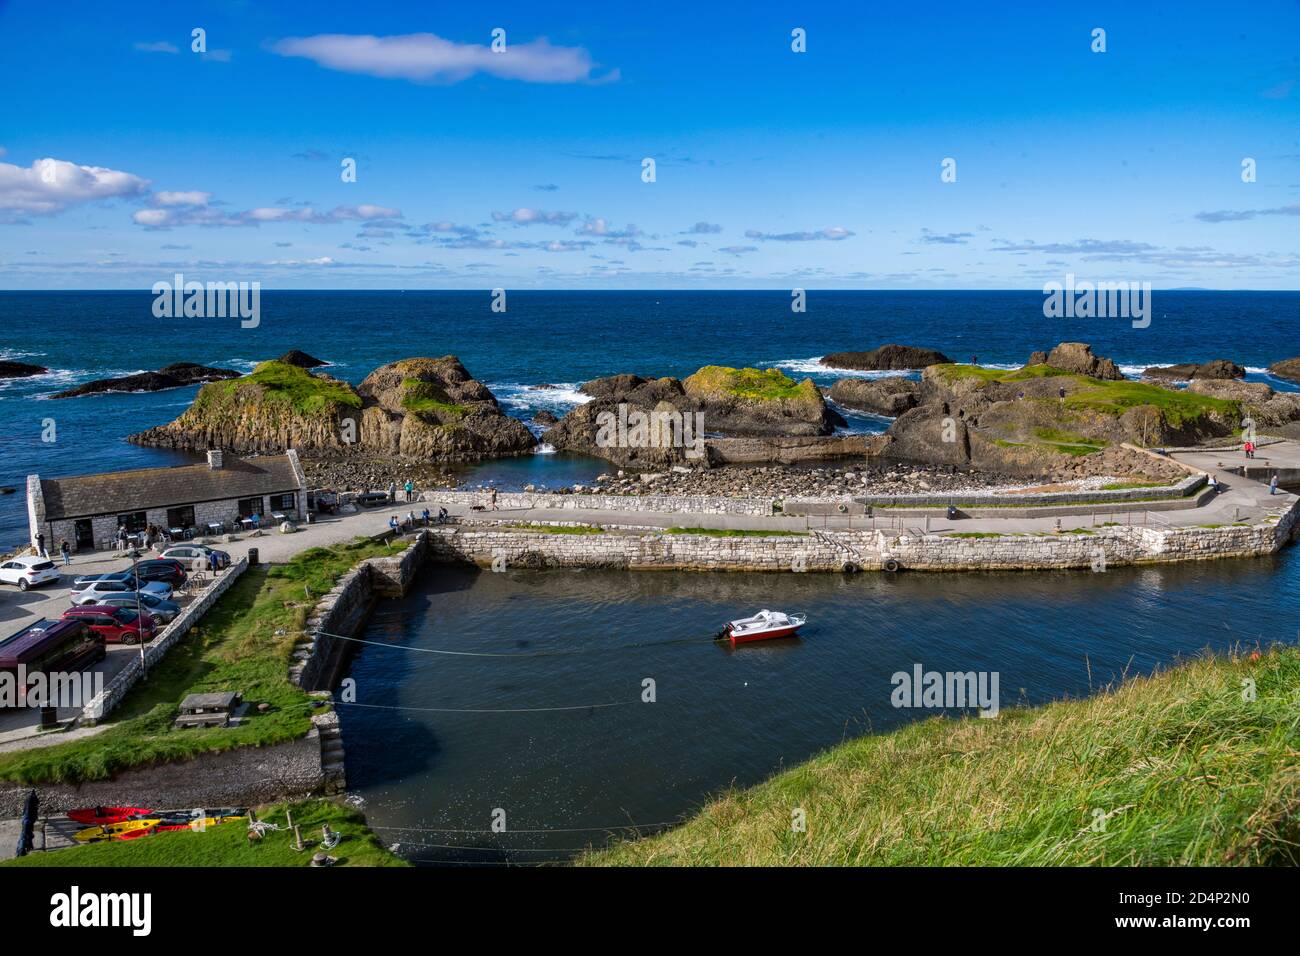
<point x="556" y="339"/>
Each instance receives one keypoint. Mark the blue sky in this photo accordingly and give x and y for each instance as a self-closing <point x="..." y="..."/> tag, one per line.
<point x="128" y="157"/>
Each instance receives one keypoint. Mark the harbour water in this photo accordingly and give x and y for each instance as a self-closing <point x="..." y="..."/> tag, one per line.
<point x="440" y="739"/>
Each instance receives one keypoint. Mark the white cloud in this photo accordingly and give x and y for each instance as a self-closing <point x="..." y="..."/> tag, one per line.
<point x="426" y="57"/>
<point x="203" y="215"/>
<point x="190" y="197"/>
<point x="535" y="217"/>
<point x="834" y="234"/>
<point x="159" y="46"/>
<point x="50" y="186"/>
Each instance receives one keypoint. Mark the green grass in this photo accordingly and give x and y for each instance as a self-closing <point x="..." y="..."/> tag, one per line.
<point x="1176" y="769"/>
<point x="1126" y="485"/>
<point x="958" y="371"/>
<point x="736" y="533"/>
<point x="228" y="844"/>
<point x="975" y="534"/>
<point x="304" y="393"/>
<point x="234" y="647"/>
<point x="762" y="384"/>
<point x="421" y="396"/>
<point x="557" y="528"/>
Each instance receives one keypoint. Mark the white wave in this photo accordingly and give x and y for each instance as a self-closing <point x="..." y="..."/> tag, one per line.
<point x="563" y="395"/>
<point x="544" y="449"/>
<point x="17" y="355"/>
<point x="813" y="366"/>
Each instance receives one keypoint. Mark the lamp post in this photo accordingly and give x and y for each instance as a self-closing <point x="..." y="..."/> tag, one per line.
<point x="134" y="555"/>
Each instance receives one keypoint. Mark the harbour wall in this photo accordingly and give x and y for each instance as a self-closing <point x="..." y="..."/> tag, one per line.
<point x="503" y="549"/>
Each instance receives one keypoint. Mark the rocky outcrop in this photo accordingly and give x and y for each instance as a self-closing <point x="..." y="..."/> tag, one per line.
<point x="21" y="370"/>
<point x="882" y="396"/>
<point x="544" y="418"/>
<point x="432" y="408"/>
<point x="1268" y="409"/>
<point x="886" y="358"/>
<point x="300" y="359"/>
<point x="1188" y="371"/>
<point x="653" y="422"/>
<point x="1043" y="421"/>
<point x="751" y="402"/>
<point x="1077" y="357"/>
<point x="1288" y="369"/>
<point x="177" y="375"/>
<point x="429" y="409"/>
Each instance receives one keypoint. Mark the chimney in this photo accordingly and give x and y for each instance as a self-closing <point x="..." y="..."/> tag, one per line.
<point x="214" y="458"/>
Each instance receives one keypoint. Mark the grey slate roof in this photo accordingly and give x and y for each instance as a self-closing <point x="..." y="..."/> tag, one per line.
<point x="117" y="492"/>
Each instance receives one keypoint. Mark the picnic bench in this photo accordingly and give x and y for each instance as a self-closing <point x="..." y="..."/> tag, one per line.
<point x="208" y="710"/>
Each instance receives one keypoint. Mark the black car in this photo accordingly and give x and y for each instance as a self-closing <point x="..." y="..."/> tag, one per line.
<point x="165" y="570"/>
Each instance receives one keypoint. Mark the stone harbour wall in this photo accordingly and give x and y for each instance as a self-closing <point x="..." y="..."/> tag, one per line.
<point x="698" y="504"/>
<point x="847" y="550"/>
<point x="344" y="609"/>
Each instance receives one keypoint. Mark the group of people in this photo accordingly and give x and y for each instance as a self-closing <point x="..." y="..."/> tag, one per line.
<point x="408" y="489"/>
<point x="410" y="522"/>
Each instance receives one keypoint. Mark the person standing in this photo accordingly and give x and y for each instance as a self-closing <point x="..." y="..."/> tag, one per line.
<point x="65" y="549"/>
<point x="1272" y="485"/>
<point x="492" y="499"/>
<point x="410" y="490"/>
<point x="392" y="491"/>
<point x="40" y="544"/>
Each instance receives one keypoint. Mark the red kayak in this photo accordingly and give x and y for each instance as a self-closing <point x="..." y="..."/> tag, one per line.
<point x="102" y="816"/>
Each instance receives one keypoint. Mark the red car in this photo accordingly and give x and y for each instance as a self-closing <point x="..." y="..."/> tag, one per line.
<point x="116" y="625"/>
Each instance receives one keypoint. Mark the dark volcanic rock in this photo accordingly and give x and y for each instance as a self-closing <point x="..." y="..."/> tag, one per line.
<point x="1216" y="369"/>
<point x="21" y="370"/>
<point x="172" y="376"/>
<point x="1288" y="369"/>
<point x="886" y="358"/>
<point x="300" y="359"/>
<point x="883" y="396"/>
<point x="545" y="418"/>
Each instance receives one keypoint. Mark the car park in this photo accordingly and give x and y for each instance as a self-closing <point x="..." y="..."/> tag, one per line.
<point x="116" y="625"/>
<point x="157" y="609"/>
<point x="50" y="647"/>
<point x="28" y="571"/>
<point x="187" y="554"/>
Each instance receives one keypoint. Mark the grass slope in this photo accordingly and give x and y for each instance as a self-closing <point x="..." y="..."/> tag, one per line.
<point x="234" y="647"/>
<point x="228" y="844"/>
<point x="769" y="384"/>
<point x="1173" y="769"/>
<point x="289" y="385"/>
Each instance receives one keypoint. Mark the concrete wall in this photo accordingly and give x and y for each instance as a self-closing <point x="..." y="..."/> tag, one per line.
<point x="102" y="704"/>
<point x="831" y="551"/>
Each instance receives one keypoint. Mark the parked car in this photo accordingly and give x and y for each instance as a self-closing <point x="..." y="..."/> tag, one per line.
<point x="88" y="589"/>
<point x="167" y="570"/>
<point x="116" y="625"/>
<point x="28" y="571"/>
<point x="187" y="554"/>
<point x="158" y="610"/>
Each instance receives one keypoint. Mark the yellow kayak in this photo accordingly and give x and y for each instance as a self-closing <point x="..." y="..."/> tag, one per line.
<point x="110" y="831"/>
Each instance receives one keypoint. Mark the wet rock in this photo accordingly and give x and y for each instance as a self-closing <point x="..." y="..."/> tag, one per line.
<point x="300" y="359"/>
<point x="886" y="358"/>
<point x="883" y="396"/>
<point x="21" y="370"/>
<point x="176" y="375"/>
<point x="1216" y="369"/>
<point x="1288" y="369"/>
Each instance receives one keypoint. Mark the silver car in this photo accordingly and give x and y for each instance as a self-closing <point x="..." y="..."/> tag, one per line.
<point x="89" y="590"/>
<point x="160" y="610"/>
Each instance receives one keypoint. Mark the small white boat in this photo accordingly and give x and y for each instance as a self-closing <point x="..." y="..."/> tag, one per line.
<point x="763" y="626"/>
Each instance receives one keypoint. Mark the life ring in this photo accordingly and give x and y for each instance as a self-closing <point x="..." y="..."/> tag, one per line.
<point x="848" y="567"/>
<point x="842" y="508"/>
<point x="891" y="565"/>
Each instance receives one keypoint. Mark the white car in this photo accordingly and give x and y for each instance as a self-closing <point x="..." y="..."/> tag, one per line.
<point x="88" y="590"/>
<point x="28" y="571"/>
<point x="187" y="554"/>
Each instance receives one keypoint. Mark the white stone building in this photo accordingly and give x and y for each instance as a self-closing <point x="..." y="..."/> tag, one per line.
<point x="87" y="510"/>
